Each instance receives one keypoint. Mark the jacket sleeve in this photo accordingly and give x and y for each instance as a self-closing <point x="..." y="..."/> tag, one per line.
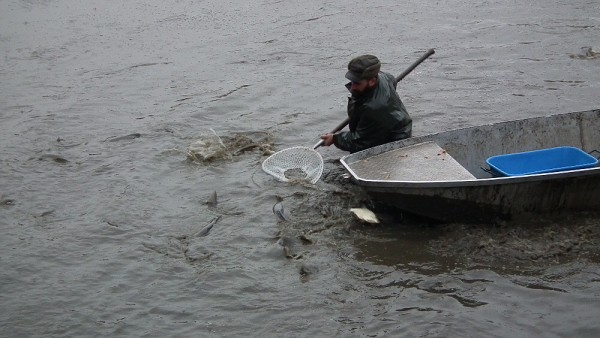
<point x="368" y="133"/>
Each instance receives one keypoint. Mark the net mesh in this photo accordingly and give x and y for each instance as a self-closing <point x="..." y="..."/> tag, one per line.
<point x="305" y="159"/>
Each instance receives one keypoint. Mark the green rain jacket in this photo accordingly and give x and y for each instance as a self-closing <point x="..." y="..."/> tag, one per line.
<point x="377" y="117"/>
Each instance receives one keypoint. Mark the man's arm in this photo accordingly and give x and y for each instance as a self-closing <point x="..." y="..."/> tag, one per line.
<point x="327" y="139"/>
<point x="368" y="133"/>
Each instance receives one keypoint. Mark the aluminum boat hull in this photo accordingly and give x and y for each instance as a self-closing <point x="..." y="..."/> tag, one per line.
<point x="485" y="197"/>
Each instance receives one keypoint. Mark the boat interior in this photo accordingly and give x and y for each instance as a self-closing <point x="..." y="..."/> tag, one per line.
<point x="462" y="154"/>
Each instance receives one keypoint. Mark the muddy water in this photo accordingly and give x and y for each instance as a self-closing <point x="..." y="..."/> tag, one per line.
<point x="108" y="228"/>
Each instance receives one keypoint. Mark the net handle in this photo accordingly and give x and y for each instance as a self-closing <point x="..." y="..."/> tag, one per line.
<point x="398" y="79"/>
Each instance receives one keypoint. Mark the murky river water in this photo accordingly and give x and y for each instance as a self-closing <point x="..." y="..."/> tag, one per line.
<point x="106" y="223"/>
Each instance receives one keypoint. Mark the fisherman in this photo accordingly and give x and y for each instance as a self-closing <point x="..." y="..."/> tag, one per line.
<point x="377" y="115"/>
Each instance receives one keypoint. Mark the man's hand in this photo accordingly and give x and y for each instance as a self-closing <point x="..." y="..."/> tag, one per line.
<point x="327" y="139"/>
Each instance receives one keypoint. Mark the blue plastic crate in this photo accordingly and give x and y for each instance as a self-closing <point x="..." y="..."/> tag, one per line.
<point x="541" y="161"/>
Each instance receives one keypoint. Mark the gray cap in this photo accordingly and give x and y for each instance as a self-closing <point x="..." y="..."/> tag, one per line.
<point x="363" y="67"/>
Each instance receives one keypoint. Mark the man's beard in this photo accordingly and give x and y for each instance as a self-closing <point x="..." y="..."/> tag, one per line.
<point x="358" y="93"/>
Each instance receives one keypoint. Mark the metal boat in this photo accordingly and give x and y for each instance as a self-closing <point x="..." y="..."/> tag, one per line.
<point x="445" y="176"/>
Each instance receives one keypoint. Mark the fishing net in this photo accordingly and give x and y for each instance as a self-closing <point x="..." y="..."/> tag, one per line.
<point x="296" y="163"/>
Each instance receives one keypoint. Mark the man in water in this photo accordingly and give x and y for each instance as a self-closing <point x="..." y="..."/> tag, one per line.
<point x="377" y="115"/>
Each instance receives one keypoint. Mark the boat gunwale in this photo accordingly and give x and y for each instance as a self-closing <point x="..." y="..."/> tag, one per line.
<point x="490" y="181"/>
<point x="474" y="182"/>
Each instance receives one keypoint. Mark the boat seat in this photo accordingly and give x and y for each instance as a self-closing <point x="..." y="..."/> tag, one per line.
<point x="425" y="161"/>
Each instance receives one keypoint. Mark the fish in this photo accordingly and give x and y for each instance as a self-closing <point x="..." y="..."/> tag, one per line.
<point x="123" y="138"/>
<point x="306" y="272"/>
<point x="287" y="245"/>
<point x="280" y="212"/>
<point x="204" y="231"/>
<point x="308" y="269"/>
<point x="7" y="202"/>
<point x="305" y="240"/>
<point x="46" y="213"/>
<point x="365" y="215"/>
<point x="286" y="252"/>
<point x="53" y="157"/>
<point x="212" y="200"/>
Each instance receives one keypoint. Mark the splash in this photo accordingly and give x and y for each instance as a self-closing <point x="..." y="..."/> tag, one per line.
<point x="212" y="147"/>
<point x="587" y="53"/>
<point x="208" y="148"/>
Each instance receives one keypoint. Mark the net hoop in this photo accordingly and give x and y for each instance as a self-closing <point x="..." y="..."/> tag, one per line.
<point x="306" y="159"/>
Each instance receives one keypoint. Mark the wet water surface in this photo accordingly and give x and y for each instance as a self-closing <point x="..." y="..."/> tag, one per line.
<point x="115" y="222"/>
